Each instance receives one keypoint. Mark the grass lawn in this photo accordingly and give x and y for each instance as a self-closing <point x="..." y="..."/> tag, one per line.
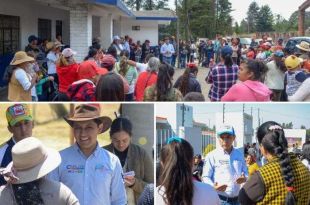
<point x="53" y="131"/>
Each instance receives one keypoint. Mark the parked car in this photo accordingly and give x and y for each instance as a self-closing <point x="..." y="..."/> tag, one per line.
<point x="245" y="41"/>
<point x="290" y="46"/>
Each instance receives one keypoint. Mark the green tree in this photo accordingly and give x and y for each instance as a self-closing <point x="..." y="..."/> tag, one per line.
<point x="265" y="19"/>
<point x="244" y="26"/>
<point x="149" y="5"/>
<point x="281" y="24"/>
<point x="134" y="4"/>
<point x="252" y="16"/>
<point x="224" y="19"/>
<point x="237" y="28"/>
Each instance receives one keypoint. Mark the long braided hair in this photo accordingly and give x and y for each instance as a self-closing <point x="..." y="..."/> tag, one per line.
<point x="271" y="136"/>
<point x="184" y="85"/>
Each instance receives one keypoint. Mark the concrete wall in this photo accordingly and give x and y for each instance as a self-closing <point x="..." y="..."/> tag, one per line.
<point x="148" y="30"/>
<point x="142" y="118"/>
<point x="193" y="136"/>
<point x="29" y="13"/>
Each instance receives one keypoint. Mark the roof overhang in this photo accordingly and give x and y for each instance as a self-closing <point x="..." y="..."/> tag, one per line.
<point x="117" y="3"/>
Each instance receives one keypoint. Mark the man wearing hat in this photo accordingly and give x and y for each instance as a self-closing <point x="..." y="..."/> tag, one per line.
<point x="304" y="48"/>
<point x="22" y="78"/>
<point x="54" y="51"/>
<point x="92" y="173"/>
<point x="225" y="168"/>
<point x="20" y="124"/>
<point x="167" y="50"/>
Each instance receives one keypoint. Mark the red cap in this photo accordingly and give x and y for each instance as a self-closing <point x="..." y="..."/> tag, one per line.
<point x="107" y="60"/>
<point x="191" y="65"/>
<point x="89" y="69"/>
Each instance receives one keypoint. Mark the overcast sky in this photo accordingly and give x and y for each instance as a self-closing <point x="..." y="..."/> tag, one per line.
<point x="240" y="7"/>
<point x="298" y="113"/>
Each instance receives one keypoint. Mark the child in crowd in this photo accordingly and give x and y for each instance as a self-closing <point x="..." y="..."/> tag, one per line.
<point x="294" y="76"/>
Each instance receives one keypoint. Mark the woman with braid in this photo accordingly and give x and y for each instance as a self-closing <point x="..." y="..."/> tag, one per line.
<point x="284" y="180"/>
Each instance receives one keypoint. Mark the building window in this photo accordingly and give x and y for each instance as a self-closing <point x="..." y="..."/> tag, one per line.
<point x="58" y="28"/>
<point x="45" y="29"/>
<point x="9" y="34"/>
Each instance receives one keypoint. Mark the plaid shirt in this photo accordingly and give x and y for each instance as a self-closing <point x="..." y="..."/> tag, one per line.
<point x="82" y="90"/>
<point x="221" y="78"/>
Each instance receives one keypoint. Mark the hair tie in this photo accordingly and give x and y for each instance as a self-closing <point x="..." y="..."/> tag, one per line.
<point x="290" y="188"/>
<point x="275" y="127"/>
<point x="174" y="139"/>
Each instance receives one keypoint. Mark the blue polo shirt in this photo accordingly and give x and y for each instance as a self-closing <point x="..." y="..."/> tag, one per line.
<point x="96" y="180"/>
<point x="224" y="168"/>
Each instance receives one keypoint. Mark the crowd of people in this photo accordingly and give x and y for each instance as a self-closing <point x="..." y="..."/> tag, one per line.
<point x="227" y="176"/>
<point x="85" y="173"/>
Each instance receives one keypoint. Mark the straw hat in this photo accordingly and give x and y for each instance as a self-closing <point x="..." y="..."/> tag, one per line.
<point x="51" y="45"/>
<point x="32" y="160"/>
<point x="21" y="57"/>
<point x="85" y="112"/>
<point x="305" y="46"/>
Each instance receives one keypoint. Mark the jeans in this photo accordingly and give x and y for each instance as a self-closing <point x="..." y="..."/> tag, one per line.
<point x="174" y="57"/>
<point x="183" y="61"/>
<point x="167" y="60"/>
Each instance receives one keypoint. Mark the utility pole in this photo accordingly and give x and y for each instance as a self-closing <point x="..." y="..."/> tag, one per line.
<point x="183" y="114"/>
<point x="178" y="34"/>
<point x="251" y="111"/>
<point x="243" y="107"/>
<point x="258" y="118"/>
<point x="223" y="112"/>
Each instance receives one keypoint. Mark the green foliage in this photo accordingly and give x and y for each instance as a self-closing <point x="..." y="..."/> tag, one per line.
<point x="208" y="149"/>
<point x="265" y="19"/>
<point x="252" y="16"/>
<point x="147" y="4"/>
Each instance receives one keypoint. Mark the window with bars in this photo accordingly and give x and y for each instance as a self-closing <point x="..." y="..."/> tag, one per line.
<point x="9" y="34"/>
<point x="45" y="29"/>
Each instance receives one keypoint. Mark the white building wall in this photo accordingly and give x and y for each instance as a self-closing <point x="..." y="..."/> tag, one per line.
<point x="194" y="137"/>
<point x="297" y="134"/>
<point x="80" y="31"/>
<point x="148" y="30"/>
<point x="29" y="13"/>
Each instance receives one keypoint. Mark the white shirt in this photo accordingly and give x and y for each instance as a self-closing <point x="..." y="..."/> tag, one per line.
<point x="23" y="78"/>
<point x="141" y="67"/>
<point x="95" y="180"/>
<point x="51" y="63"/>
<point x="306" y="163"/>
<point x="274" y="77"/>
<point x="167" y="48"/>
<point x="224" y="168"/>
<point x="203" y="194"/>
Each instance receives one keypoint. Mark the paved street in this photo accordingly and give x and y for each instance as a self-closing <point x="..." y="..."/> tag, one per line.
<point x="203" y="72"/>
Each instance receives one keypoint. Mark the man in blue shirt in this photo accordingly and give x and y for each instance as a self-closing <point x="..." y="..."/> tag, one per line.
<point x="225" y="168"/>
<point x="93" y="174"/>
<point x="167" y="50"/>
<point x="20" y="124"/>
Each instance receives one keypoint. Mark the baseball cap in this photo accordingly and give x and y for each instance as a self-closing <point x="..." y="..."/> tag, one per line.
<point x="279" y="54"/>
<point x="116" y="38"/>
<point x="226" y="129"/>
<point x="68" y="52"/>
<point x="17" y="113"/>
<point x="292" y="62"/>
<point x="89" y="69"/>
<point x="226" y="50"/>
<point x="107" y="61"/>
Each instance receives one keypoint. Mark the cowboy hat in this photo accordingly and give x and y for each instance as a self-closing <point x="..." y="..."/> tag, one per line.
<point x="21" y="57"/>
<point x="305" y="46"/>
<point x="51" y="45"/>
<point x="85" y="112"/>
<point x="32" y="160"/>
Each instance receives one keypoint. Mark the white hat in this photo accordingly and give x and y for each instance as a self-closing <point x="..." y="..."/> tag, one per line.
<point x="226" y="129"/>
<point x="305" y="46"/>
<point x="32" y="160"/>
<point x="116" y="38"/>
<point x="68" y="52"/>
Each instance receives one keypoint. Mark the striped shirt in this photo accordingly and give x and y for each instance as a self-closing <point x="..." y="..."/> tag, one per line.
<point x="221" y="78"/>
